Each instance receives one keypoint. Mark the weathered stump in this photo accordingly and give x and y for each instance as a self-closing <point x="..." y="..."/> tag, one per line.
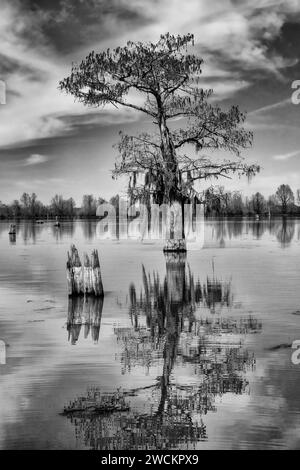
<point x="86" y="279"/>
<point x="96" y="279"/>
<point x="12" y="229"/>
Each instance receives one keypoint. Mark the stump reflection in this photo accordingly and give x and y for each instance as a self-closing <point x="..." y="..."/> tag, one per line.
<point x="84" y="312"/>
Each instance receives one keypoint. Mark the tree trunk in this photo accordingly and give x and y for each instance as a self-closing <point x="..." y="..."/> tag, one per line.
<point x="169" y="156"/>
<point x="171" y="189"/>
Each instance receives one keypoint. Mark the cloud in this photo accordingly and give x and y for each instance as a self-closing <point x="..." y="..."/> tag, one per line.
<point x="270" y="107"/>
<point x="32" y="66"/>
<point x="232" y="36"/>
<point x="286" y="156"/>
<point x="98" y="118"/>
<point x="238" y="31"/>
<point x="36" y="159"/>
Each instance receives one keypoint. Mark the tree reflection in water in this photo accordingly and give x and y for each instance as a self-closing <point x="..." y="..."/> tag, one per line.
<point x="282" y="228"/>
<point x="66" y="229"/>
<point x="285" y="232"/>
<point x="169" y="332"/>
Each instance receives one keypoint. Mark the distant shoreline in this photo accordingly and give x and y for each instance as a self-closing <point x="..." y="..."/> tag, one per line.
<point x="41" y="221"/>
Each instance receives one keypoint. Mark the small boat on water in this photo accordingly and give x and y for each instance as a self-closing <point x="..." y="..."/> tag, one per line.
<point x="39" y="221"/>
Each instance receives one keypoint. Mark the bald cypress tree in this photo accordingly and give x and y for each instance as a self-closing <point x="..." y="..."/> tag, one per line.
<point x="188" y="128"/>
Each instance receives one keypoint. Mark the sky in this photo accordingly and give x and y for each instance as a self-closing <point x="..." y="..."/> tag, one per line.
<point x="50" y="144"/>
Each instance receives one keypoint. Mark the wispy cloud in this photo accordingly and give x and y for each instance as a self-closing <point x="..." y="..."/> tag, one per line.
<point x="36" y="159"/>
<point x="270" y="107"/>
<point x="286" y="156"/>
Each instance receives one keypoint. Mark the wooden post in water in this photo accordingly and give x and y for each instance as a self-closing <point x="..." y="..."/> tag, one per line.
<point x="74" y="273"/>
<point x="12" y="229"/>
<point x="84" y="279"/>
<point x="96" y="274"/>
<point x="87" y="275"/>
<point x="12" y="234"/>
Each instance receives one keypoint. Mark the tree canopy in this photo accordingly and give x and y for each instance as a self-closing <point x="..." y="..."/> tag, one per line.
<point x="167" y="75"/>
<point x="284" y="196"/>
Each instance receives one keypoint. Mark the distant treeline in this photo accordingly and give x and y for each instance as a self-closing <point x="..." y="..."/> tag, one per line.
<point x="232" y="203"/>
<point x="219" y="202"/>
<point x="29" y="207"/>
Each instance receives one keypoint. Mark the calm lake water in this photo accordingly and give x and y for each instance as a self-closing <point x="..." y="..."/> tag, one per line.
<point x="192" y="352"/>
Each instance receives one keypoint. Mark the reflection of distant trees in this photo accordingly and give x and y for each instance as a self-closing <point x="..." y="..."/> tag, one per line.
<point x="65" y="229"/>
<point x="89" y="229"/>
<point x="258" y="228"/>
<point x="29" y="231"/>
<point x="235" y="228"/>
<point x="220" y="232"/>
<point x="282" y="228"/>
<point x="168" y="331"/>
<point x="285" y="232"/>
<point x="224" y="229"/>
